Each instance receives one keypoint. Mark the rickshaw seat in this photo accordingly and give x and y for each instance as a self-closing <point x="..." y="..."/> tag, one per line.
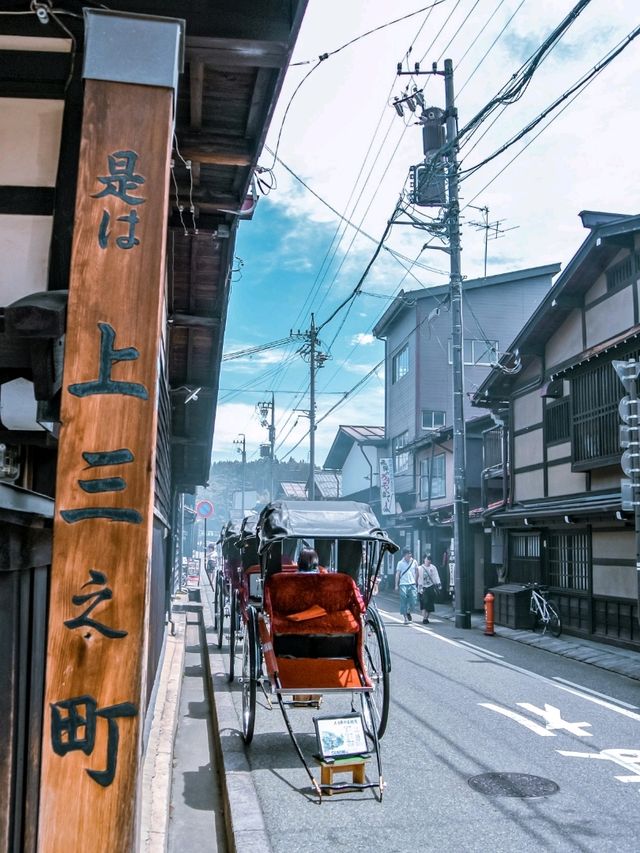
<point x="289" y="595"/>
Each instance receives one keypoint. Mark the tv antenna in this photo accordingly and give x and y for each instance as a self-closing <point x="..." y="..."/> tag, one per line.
<point x="492" y="230"/>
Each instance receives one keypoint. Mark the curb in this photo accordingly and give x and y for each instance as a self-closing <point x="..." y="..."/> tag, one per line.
<point x="246" y="830"/>
<point x="157" y="768"/>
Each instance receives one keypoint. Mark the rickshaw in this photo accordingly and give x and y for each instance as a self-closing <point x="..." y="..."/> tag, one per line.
<point x="318" y="632"/>
<point x="242" y="569"/>
<point x="222" y="581"/>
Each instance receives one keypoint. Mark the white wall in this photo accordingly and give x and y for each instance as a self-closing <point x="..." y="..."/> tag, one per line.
<point x="30" y="131"/>
<point x="356" y="472"/>
<point x="527" y="410"/>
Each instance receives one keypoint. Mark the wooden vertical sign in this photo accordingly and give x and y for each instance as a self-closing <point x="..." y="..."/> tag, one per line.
<point x="94" y="704"/>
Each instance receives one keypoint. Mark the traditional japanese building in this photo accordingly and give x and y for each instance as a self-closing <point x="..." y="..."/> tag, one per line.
<point x="555" y="451"/>
<point x="128" y="148"/>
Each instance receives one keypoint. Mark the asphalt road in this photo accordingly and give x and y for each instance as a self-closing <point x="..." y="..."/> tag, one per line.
<point x="464" y="705"/>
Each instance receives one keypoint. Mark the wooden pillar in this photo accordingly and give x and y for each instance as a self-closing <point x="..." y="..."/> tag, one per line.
<point x="94" y="705"/>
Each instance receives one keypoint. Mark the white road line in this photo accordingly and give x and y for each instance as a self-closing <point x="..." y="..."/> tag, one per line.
<point x="596" y="693"/>
<point x="480" y="649"/>
<point x="534" y="675"/>
<point x="524" y="721"/>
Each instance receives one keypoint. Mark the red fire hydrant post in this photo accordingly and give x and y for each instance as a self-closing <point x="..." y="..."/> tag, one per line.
<point x="488" y="614"/>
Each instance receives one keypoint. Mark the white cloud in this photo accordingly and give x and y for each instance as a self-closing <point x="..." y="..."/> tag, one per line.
<point x="363" y="339"/>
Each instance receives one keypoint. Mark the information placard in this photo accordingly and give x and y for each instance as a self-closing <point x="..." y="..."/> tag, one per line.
<point x="340" y="737"/>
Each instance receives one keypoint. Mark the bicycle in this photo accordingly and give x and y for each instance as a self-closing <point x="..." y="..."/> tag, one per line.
<point x="544" y="611"/>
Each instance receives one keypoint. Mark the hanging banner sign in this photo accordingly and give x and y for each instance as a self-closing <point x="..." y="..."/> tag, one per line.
<point x="387" y="488"/>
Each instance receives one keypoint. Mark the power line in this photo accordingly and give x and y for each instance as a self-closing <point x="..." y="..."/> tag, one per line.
<point x="582" y="83"/>
<point x="493" y="43"/>
<point x="324" y="56"/>
<point x="356" y="289"/>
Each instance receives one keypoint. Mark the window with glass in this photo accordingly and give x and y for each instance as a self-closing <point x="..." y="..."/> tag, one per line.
<point x="433" y="419"/>
<point x="401" y="457"/>
<point x="400" y="364"/>
<point x="476" y="352"/>
<point x="433" y="471"/>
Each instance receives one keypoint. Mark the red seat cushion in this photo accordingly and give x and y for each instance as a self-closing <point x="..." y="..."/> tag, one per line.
<point x="287" y="594"/>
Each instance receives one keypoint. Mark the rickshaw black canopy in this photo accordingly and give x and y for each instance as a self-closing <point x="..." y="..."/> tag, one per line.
<point x="320" y="519"/>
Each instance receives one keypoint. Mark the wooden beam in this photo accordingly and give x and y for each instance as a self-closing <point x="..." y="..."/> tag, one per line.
<point x="66" y="179"/>
<point x="33" y="74"/>
<point x="196" y="81"/>
<point x="195" y="320"/>
<point x="259" y="101"/>
<point x="38" y="315"/>
<point x="216" y="149"/>
<point x="236" y="53"/>
<point x="188" y="440"/>
<point x="26" y="201"/>
<point x="567" y="301"/>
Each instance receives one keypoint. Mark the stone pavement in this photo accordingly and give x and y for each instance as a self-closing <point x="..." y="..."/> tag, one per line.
<point x="195" y="734"/>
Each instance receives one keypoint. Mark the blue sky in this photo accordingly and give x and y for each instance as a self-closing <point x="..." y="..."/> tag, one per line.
<point x="343" y="137"/>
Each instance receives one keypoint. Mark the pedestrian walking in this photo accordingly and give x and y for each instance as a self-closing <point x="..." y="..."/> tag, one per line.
<point x="406" y="583"/>
<point x="429" y="586"/>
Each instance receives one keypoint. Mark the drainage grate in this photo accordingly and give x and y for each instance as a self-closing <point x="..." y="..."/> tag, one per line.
<point x="513" y="785"/>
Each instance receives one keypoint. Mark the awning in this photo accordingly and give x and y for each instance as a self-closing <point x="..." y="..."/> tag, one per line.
<point x="560" y="509"/>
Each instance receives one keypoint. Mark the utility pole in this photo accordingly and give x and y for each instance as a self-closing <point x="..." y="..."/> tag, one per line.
<point x="263" y="409"/>
<point x="460" y="500"/>
<point x="242" y="449"/>
<point x="427" y="190"/>
<point x="312" y="408"/>
<point x="310" y="351"/>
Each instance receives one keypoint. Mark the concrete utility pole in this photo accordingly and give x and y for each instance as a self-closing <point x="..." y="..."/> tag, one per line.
<point x="309" y="350"/>
<point x="428" y="191"/>
<point x="264" y="409"/>
<point x="460" y="500"/>
<point x="242" y="449"/>
<point x="312" y="408"/>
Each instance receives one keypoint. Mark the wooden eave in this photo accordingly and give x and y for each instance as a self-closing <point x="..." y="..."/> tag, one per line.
<point x="592" y="258"/>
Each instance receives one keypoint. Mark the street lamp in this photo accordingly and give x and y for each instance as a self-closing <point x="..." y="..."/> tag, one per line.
<point x="242" y="449"/>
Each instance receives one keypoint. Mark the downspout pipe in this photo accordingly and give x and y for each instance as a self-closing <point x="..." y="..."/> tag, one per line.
<point x="368" y="461"/>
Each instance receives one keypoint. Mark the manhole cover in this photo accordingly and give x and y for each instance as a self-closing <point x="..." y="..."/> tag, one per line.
<point x="513" y="785"/>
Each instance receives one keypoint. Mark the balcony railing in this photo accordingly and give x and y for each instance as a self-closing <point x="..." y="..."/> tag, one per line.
<point x="492" y="447"/>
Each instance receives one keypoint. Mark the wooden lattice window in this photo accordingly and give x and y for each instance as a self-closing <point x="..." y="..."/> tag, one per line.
<point x="568" y="560"/>
<point x="594" y="430"/>
<point x="557" y="424"/>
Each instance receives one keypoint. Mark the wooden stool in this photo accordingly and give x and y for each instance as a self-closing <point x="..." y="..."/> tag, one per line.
<point x="355" y="766"/>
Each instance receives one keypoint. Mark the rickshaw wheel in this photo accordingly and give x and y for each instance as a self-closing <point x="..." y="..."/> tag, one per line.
<point x="220" y="610"/>
<point x="214" y="585"/>
<point x="250" y="653"/>
<point x="233" y="632"/>
<point x="378" y="670"/>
